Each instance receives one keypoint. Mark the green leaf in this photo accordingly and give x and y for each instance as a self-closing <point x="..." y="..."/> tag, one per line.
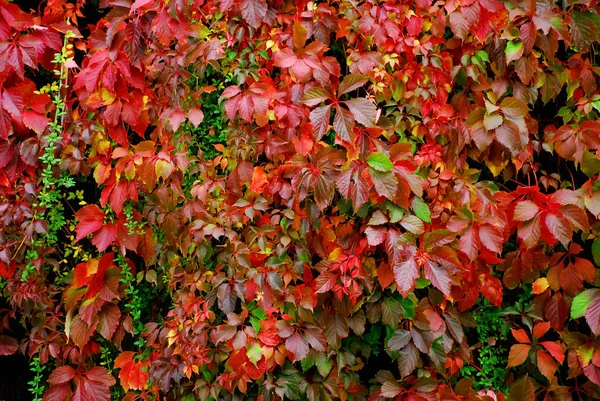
<point x="421" y="210"/>
<point x="581" y="302"/>
<point x="422" y="283"/>
<point x="380" y="162"/>
<point x="396" y="212"/>
<point x="255" y="323"/>
<point x="254" y="352"/>
<point x="590" y="164"/>
<point x="514" y="51"/>
<point x="409" y="304"/>
<point x="324" y="364"/>
<point x="259" y="313"/>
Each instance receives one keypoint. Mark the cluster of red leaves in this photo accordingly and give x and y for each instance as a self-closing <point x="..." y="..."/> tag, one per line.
<point x="386" y="166"/>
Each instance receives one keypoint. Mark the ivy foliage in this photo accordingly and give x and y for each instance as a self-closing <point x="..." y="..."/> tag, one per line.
<point x="306" y="200"/>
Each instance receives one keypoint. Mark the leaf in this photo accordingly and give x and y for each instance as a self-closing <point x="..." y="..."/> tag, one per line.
<point x="351" y="82"/>
<point x="399" y="340"/>
<point x="133" y="374"/>
<point x="521" y="336"/>
<point x="96" y="385"/>
<point x="62" y="374"/>
<point x="299" y="36"/>
<point x="590" y="164"/>
<point x="583" y="30"/>
<point x="196" y="116"/>
<point x="254" y="12"/>
<point x="90" y="219"/>
<point x="554" y="349"/>
<point x="108" y="320"/>
<point x="513" y="107"/>
<point x="35" y="121"/>
<point x="363" y="110"/>
<point x="514" y="51"/>
<point x="540" y="285"/>
<point x="8" y="345"/>
<point x="508" y="135"/>
<point x="391" y="389"/>
<point x="596" y="251"/>
<point x="323" y="364"/>
<point x="491" y="238"/>
<point x="379" y="162"/>
<point x="385" y="183"/>
<point x="581" y="302"/>
<point x="438" y="276"/>
<point x="546" y="364"/>
<point x="408" y="360"/>
<point x="104" y="237"/>
<point x="558" y="229"/>
<point x="405" y="274"/>
<point x="319" y="118"/>
<point x="343" y="123"/>
<point x="421" y="209"/>
<point x="315" y="96"/>
<point x="540" y="329"/>
<point x="521" y="390"/>
<point x="391" y="312"/>
<point x="592" y="315"/>
<point x="525" y="210"/>
<point x="492" y="121"/>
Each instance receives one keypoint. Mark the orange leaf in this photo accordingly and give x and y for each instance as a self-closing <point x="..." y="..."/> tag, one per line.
<point x="518" y="354"/>
<point x="521" y="336"/>
<point x="540" y="285"/>
<point x="540" y="329"/>
<point x="546" y="364"/>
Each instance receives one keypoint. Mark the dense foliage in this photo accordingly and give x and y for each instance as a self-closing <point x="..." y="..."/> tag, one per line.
<point x="306" y="200"/>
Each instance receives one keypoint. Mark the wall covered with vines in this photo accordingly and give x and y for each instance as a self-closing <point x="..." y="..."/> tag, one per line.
<point x="305" y="200"/>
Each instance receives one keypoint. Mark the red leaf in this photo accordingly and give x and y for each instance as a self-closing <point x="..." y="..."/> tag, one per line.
<point x="96" y="385"/>
<point x="363" y="110"/>
<point x="491" y="238"/>
<point x="406" y="274"/>
<point x="7" y="270"/>
<point x="90" y="219"/>
<point x="104" y="237"/>
<point x="12" y="101"/>
<point x="470" y="244"/>
<point x="319" y="118"/>
<point x="97" y="279"/>
<point x="438" y="276"/>
<point x="559" y="228"/>
<point x="62" y="374"/>
<point x="298" y="346"/>
<point x="254" y="11"/>
<point x="195" y="116"/>
<point x="343" y="123"/>
<point x="36" y="121"/>
<point x="8" y="345"/>
<point x="108" y="320"/>
<point x="554" y="349"/>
